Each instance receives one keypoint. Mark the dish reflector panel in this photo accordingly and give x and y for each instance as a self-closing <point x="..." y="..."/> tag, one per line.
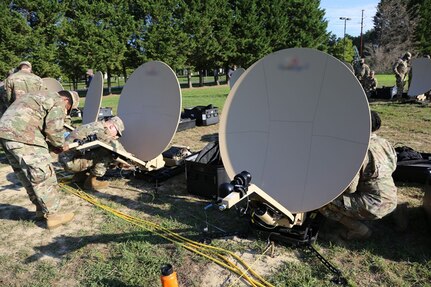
<point x="150" y="107"/>
<point x="93" y="99"/>
<point x="235" y="76"/>
<point x="52" y="84"/>
<point x="298" y="120"/>
<point x="421" y="77"/>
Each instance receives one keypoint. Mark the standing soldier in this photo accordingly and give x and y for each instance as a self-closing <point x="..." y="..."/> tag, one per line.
<point x="401" y="70"/>
<point x="31" y="126"/>
<point x="20" y="83"/>
<point x="362" y="71"/>
<point x="370" y="84"/>
<point x="95" y="161"/>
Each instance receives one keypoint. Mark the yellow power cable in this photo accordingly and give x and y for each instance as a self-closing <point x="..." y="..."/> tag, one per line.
<point x="180" y="240"/>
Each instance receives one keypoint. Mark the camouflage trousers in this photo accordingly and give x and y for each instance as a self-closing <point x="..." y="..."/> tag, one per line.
<point x="351" y="205"/>
<point x="96" y="161"/>
<point x="400" y="86"/>
<point x="32" y="165"/>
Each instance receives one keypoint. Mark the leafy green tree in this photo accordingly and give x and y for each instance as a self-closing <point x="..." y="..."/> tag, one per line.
<point x="41" y="46"/>
<point x="94" y="35"/>
<point x="164" y="38"/>
<point x="342" y="49"/>
<point x="208" y="35"/>
<point x="422" y="33"/>
<point x="14" y="33"/>
<point x="307" y="25"/>
<point x="248" y="31"/>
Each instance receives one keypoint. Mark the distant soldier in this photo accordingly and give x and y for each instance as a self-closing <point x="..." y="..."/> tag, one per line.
<point x="370" y="84"/>
<point x="362" y="70"/>
<point x="95" y="161"/>
<point x="401" y="70"/>
<point x="19" y="83"/>
<point x="372" y="193"/>
<point x="30" y="127"/>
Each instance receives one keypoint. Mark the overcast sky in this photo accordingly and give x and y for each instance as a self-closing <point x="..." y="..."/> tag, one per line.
<point x="335" y="9"/>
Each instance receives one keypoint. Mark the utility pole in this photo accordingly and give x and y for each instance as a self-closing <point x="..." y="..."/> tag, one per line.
<point x="344" y="38"/>
<point x="362" y="26"/>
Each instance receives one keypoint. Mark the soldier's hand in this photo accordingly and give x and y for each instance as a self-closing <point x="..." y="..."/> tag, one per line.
<point x="65" y="147"/>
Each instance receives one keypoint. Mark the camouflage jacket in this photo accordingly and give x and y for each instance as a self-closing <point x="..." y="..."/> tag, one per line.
<point x="362" y="71"/>
<point x="21" y="83"/>
<point x="369" y="84"/>
<point x="374" y="180"/>
<point x="401" y="68"/>
<point x="35" y="119"/>
<point x="99" y="130"/>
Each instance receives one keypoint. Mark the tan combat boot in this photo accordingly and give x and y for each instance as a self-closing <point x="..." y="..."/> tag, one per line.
<point x="93" y="183"/>
<point x="356" y="230"/>
<point x="54" y="220"/>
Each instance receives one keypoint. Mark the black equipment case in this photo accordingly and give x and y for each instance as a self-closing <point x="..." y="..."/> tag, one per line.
<point x="204" y="115"/>
<point x="205" y="172"/>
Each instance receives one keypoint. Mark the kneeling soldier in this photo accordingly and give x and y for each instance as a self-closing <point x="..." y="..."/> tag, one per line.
<point x="95" y="161"/>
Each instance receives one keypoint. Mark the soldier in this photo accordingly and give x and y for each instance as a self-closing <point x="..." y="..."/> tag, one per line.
<point x="370" y="84"/>
<point x="31" y="126"/>
<point x="362" y="70"/>
<point x="401" y="70"/>
<point x="372" y="193"/>
<point x="97" y="160"/>
<point x="20" y="83"/>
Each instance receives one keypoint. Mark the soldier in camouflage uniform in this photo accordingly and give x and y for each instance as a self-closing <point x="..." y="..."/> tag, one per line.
<point x="372" y="193"/>
<point x="31" y="126"/>
<point x="20" y="83"/>
<point x="362" y="71"/>
<point x="370" y="84"/>
<point x="97" y="160"/>
<point x="401" y="70"/>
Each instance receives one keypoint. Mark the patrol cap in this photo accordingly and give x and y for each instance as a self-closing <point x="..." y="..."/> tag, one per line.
<point x="27" y="63"/>
<point x="72" y="95"/>
<point x="408" y="55"/>
<point x="118" y="123"/>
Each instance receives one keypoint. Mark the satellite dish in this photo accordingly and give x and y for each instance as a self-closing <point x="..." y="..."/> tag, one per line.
<point x="93" y="99"/>
<point x="421" y="77"/>
<point x="52" y="84"/>
<point x="350" y="66"/>
<point x="150" y="107"/>
<point x="298" y="120"/>
<point x="235" y="76"/>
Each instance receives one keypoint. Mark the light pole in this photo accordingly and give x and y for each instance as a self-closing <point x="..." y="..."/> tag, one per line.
<point x="344" y="38"/>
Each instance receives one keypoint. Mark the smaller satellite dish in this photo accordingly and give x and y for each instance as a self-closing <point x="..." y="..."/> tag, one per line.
<point x="93" y="99"/>
<point x="52" y="84"/>
<point x="235" y="76"/>
<point x="421" y="77"/>
<point x="150" y="107"/>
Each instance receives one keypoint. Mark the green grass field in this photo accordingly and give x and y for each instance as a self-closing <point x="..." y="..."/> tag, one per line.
<point x="122" y="254"/>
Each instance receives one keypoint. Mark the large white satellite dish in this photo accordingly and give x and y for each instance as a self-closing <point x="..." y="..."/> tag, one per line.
<point x="298" y="120"/>
<point x="93" y="99"/>
<point x="52" y="84"/>
<point x="150" y="107"/>
<point x="235" y="76"/>
<point x="421" y="77"/>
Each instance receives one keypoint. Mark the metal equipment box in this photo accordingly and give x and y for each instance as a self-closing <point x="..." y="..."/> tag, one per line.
<point x="204" y="115"/>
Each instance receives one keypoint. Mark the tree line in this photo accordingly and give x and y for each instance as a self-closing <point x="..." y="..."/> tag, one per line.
<point x="64" y="38"/>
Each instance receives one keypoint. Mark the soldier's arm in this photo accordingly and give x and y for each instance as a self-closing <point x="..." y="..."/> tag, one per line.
<point x="8" y="85"/>
<point x="54" y="122"/>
